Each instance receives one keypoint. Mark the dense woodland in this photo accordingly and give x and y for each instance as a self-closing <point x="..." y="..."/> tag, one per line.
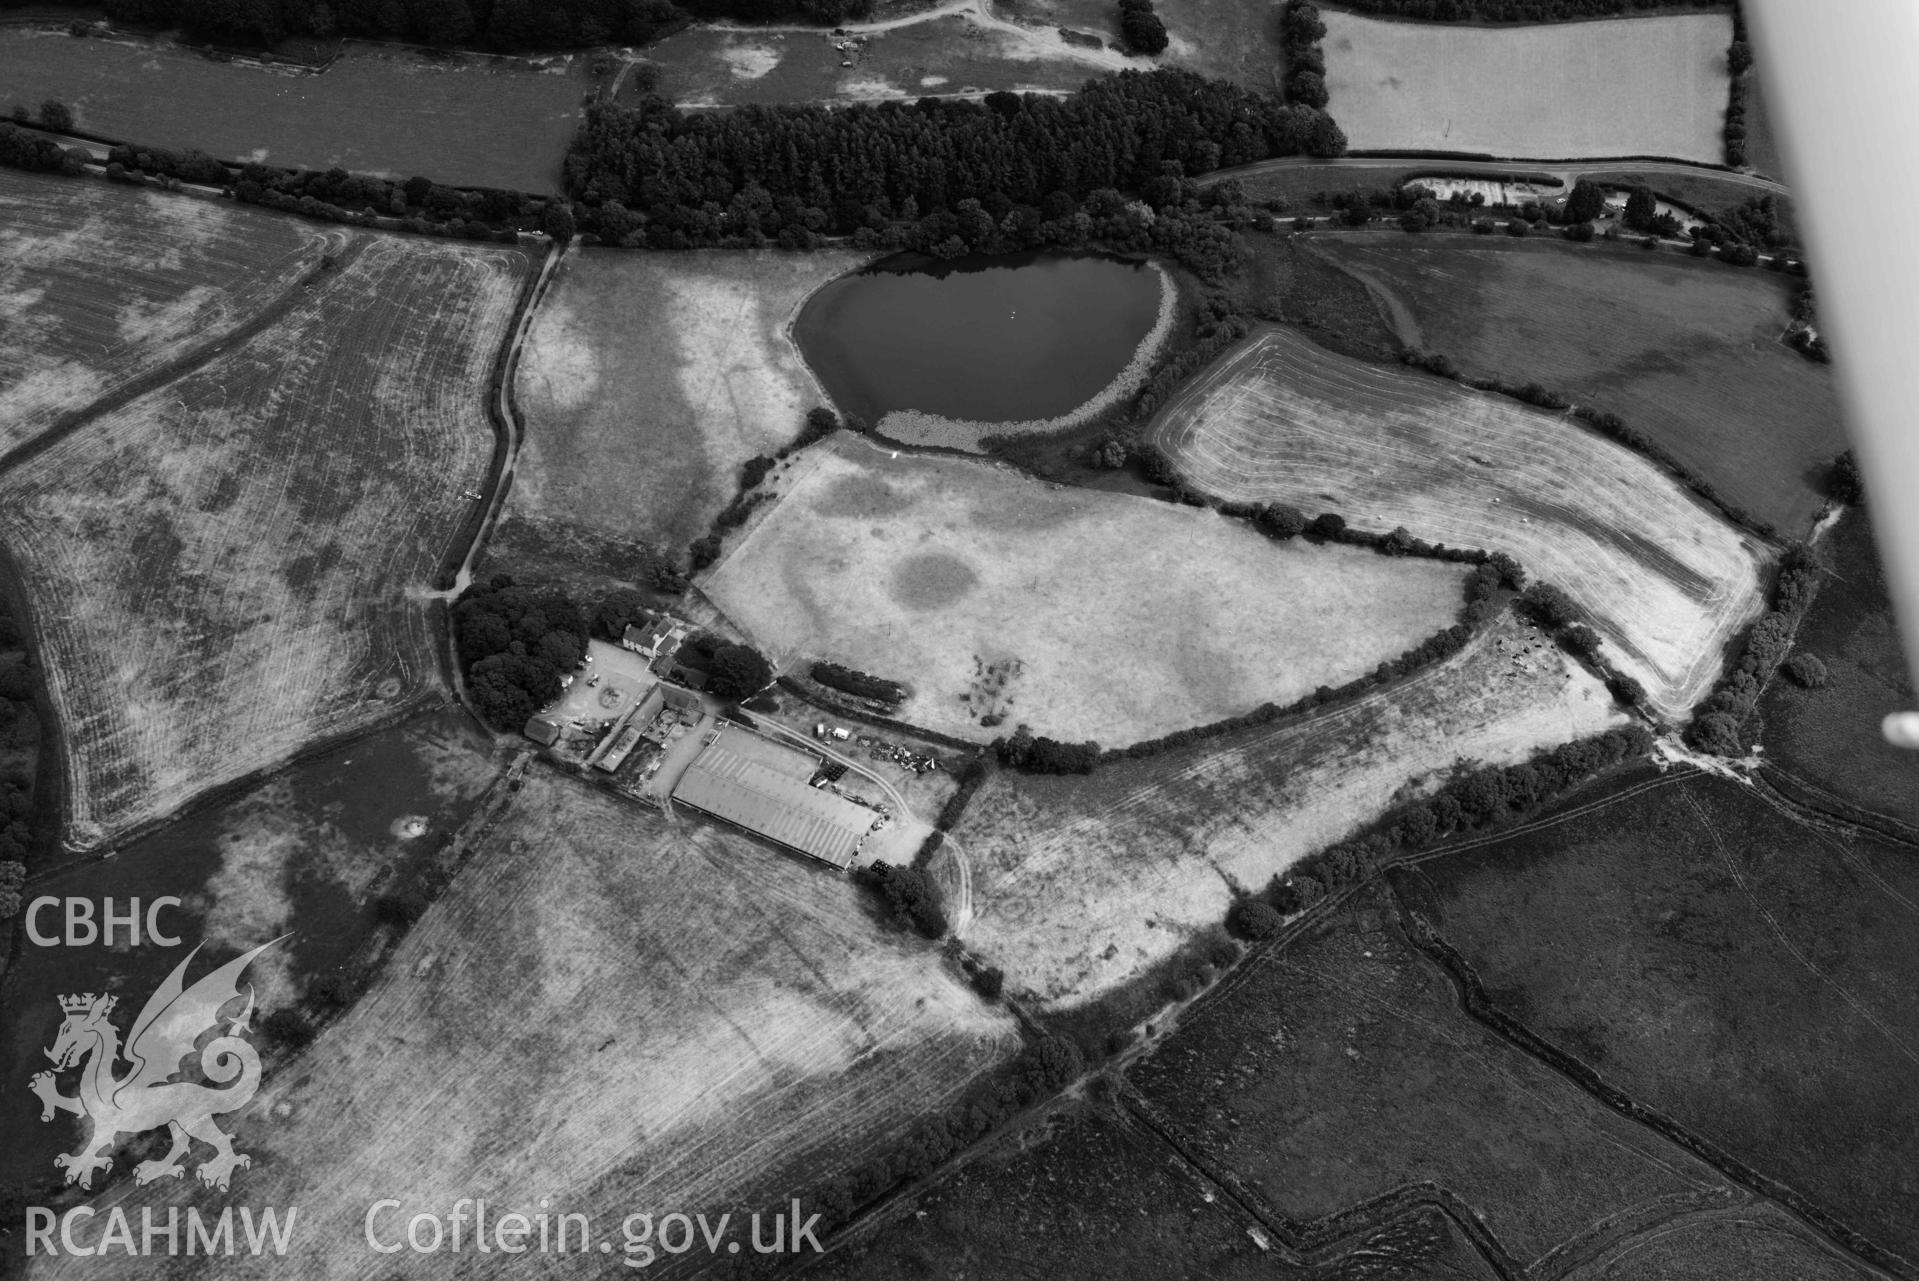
<point x="496" y="24"/>
<point x="674" y="179"/>
<point x="1516" y="10"/>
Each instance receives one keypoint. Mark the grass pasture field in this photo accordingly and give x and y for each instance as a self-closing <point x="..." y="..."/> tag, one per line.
<point x="645" y="382"/>
<point x="1235" y="40"/>
<point x="309" y="851"/>
<point x="724" y="67"/>
<point x="1830" y="737"/>
<point x="1687" y="352"/>
<point x="1081" y="885"/>
<point x="619" y="1013"/>
<point x="486" y="122"/>
<point x="1084" y="614"/>
<point x="1094" y="1196"/>
<point x="1646" y="86"/>
<point x="236" y="565"/>
<point x="1748" y="974"/>
<point x="1339" y="1068"/>
<point x="101" y="286"/>
<point x="1666" y="581"/>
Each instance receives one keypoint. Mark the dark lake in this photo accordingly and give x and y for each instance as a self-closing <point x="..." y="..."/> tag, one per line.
<point x="1000" y="339"/>
<point x="306" y="852"/>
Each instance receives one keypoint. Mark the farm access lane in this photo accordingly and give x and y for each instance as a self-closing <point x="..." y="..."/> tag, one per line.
<point x="1567" y="173"/>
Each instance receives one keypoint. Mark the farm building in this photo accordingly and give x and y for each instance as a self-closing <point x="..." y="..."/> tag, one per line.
<point x="542" y="731"/>
<point x="621" y="749"/>
<point x="761" y="786"/>
<point x="661" y="636"/>
<point x="679" y="698"/>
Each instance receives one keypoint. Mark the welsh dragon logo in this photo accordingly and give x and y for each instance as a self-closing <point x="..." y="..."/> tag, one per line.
<point x="146" y="1097"/>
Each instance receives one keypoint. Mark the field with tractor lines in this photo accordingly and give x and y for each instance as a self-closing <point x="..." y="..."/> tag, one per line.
<point x="998" y="598"/>
<point x="1665" y="580"/>
<point x="236" y="565"/>
<point x="1081" y="885"/>
<point x="100" y="285"/>
<point x="1648" y="86"/>
<point x="670" y="1017"/>
<point x="1687" y="352"/>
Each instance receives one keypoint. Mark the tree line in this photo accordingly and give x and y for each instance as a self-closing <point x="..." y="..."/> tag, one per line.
<point x="1479" y="798"/>
<point x="1300" y="33"/>
<point x="1718" y="724"/>
<point x="860" y="684"/>
<point x="674" y="179"/>
<point x="1607" y="424"/>
<point x="505" y="25"/>
<point x="1738" y="63"/>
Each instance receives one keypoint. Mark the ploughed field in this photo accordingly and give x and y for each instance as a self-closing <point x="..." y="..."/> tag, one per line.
<point x="645" y="382"/>
<point x="1643" y="86"/>
<point x="1665" y="580"/>
<point x="236" y="565"/>
<point x="619" y="1013"/>
<point x="102" y="286"/>
<point x="1685" y="351"/>
<point x="1085" y="614"/>
<point x="1745" y="972"/>
<point x="1080" y="885"/>
<point x="469" y="121"/>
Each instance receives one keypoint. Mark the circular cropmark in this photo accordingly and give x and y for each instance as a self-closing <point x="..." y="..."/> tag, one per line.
<point x="932" y="580"/>
<point x="388" y="689"/>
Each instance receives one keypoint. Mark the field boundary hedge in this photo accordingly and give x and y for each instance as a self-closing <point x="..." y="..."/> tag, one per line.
<point x="1798" y="792"/>
<point x="1606" y="424"/>
<point x="1306" y="1237"/>
<point x="825" y="700"/>
<point x="1426" y="936"/>
<point x="1430" y="652"/>
<point x="498" y="211"/>
<point x="1739" y="63"/>
<point x="1281" y="522"/>
<point x="1723" y="718"/>
<point x="859" y="684"/>
<point x="499" y="389"/>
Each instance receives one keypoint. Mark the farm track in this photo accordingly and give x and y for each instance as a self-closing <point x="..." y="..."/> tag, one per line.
<point x="1284" y="420"/>
<point x="299" y="294"/>
<point x="1567" y="172"/>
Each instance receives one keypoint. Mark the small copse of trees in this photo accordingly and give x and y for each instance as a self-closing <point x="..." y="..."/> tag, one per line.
<point x="514" y="643"/>
<point x="1037" y="754"/>
<point x="1141" y="28"/>
<point x="911" y="897"/>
